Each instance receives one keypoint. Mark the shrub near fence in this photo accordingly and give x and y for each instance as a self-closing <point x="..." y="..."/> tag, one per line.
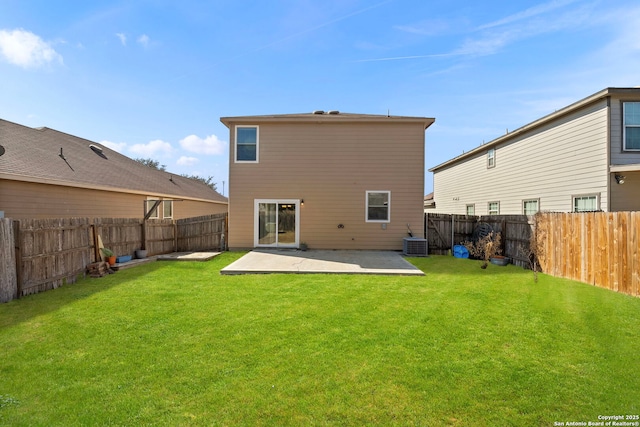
<point x="599" y="248"/>
<point x="445" y="231"/>
<point x="38" y="255"/>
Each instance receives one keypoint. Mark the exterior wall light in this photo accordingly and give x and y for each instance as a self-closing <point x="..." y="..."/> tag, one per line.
<point x="620" y="179"/>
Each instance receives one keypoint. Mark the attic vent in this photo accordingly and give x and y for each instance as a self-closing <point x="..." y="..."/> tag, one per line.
<point x="334" y="112"/>
<point x="98" y="151"/>
<point x="318" y="112"/>
<point x="1" y="150"/>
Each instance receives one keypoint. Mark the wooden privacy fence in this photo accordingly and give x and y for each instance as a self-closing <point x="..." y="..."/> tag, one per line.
<point x="443" y="231"/>
<point x="599" y="248"/>
<point x="41" y="254"/>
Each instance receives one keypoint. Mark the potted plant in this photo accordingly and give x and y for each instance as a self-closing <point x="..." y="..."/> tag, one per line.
<point x="109" y="255"/>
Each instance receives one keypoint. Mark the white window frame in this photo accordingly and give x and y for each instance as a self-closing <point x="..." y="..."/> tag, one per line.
<point x="166" y="203"/>
<point x="584" y="196"/>
<point x="473" y="207"/>
<point x="366" y="207"/>
<point x="489" y="211"/>
<point x="625" y="126"/>
<point x="150" y="202"/>
<point x="491" y="158"/>
<point x="235" y="144"/>
<point x="524" y="207"/>
<point x="256" y="222"/>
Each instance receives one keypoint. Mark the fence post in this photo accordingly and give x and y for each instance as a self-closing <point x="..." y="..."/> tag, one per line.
<point x="175" y="235"/>
<point x="17" y="244"/>
<point x="8" y="284"/>
<point x="452" y="231"/>
<point x="96" y="249"/>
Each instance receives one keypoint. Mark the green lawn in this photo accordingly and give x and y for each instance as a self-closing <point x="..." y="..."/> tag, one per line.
<point x="176" y="343"/>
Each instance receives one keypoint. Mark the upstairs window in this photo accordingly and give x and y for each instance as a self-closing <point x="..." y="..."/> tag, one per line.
<point x="491" y="158"/>
<point x="247" y="144"/>
<point x="471" y="209"/>
<point x="378" y="206"/>
<point x="631" y="127"/>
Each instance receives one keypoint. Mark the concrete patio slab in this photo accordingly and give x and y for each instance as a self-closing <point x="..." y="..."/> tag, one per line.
<point x="188" y="256"/>
<point x="322" y="261"/>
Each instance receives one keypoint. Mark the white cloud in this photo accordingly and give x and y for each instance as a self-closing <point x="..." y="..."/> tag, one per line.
<point x="123" y="38"/>
<point x="27" y="50"/>
<point x="151" y="148"/>
<point x="187" y="161"/>
<point x="144" y="40"/>
<point x="115" y="146"/>
<point x="209" y="145"/>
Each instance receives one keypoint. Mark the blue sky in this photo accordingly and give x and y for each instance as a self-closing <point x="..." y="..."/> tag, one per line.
<point x="152" y="78"/>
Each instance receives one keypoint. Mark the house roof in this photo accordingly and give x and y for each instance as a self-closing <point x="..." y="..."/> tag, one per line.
<point x="326" y="117"/>
<point x="48" y="156"/>
<point x="605" y="93"/>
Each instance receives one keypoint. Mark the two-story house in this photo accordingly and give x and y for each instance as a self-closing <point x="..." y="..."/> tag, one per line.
<point x="584" y="157"/>
<point x="328" y="179"/>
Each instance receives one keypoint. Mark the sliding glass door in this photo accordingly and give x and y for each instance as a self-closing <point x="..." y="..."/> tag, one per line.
<point x="277" y="223"/>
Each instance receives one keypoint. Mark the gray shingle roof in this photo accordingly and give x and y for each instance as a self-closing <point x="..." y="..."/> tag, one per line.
<point x="34" y="154"/>
<point x="326" y="117"/>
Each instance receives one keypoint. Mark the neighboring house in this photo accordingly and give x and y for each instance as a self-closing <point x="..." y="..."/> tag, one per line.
<point x="331" y="180"/>
<point x="584" y="157"/>
<point x="429" y="202"/>
<point x="49" y="174"/>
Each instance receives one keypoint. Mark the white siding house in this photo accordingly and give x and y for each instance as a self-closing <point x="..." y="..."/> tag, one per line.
<point x="568" y="161"/>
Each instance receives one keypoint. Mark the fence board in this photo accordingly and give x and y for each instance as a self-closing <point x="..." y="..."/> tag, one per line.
<point x="53" y="252"/>
<point x="48" y="253"/>
<point x="599" y="248"/>
<point x="515" y="231"/>
<point x="201" y="233"/>
<point x="635" y="255"/>
<point x="8" y="273"/>
<point x="122" y="235"/>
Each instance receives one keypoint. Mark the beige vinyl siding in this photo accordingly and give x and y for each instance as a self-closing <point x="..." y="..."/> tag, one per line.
<point x="331" y="166"/>
<point x="189" y="209"/>
<point x="618" y="156"/>
<point x="20" y="199"/>
<point x="565" y="157"/>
